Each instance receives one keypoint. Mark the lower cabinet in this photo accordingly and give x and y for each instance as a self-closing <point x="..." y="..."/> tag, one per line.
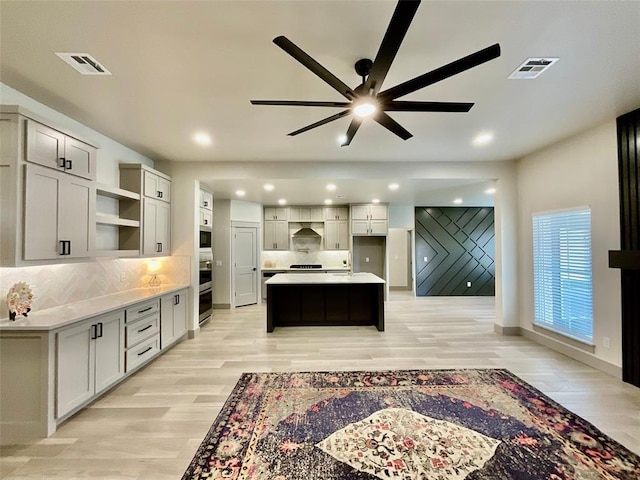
<point x="143" y="333"/>
<point x="173" y="318"/>
<point x="90" y="358"/>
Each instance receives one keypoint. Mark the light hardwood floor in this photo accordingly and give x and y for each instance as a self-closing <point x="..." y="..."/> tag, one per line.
<point x="150" y="426"/>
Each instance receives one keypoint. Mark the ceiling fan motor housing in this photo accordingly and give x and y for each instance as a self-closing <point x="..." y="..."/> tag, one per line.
<point x="363" y="67"/>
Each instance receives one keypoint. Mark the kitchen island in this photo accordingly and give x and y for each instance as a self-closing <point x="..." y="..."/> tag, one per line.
<point x="326" y="299"/>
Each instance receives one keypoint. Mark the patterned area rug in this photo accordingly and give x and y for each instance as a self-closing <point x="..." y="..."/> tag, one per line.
<point x="402" y="425"/>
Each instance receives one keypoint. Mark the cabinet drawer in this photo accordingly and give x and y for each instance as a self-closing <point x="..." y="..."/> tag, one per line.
<point x="143" y="328"/>
<point x="141" y="353"/>
<point x="141" y="310"/>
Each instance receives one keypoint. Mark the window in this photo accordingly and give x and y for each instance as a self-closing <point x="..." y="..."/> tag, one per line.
<point x="563" y="298"/>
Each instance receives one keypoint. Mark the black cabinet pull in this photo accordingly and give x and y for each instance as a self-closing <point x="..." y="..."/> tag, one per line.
<point x="145" y="310"/>
<point x="158" y="247"/>
<point x="145" y="328"/>
<point x="158" y="194"/>
<point x="206" y="204"/>
<point x="62" y="160"/>
<point x="176" y="299"/>
<point x="99" y="334"/>
<point x="142" y="353"/>
<point x="69" y="165"/>
<point x="94" y="331"/>
<point x="65" y="247"/>
<point x="206" y="221"/>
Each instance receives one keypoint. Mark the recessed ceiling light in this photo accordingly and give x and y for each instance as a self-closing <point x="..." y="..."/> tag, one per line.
<point x="240" y="193"/>
<point x="375" y="200"/>
<point x="341" y="196"/>
<point x="331" y="187"/>
<point x="482" y="139"/>
<point x="457" y="201"/>
<point x="202" y="138"/>
<point x="328" y="201"/>
<point x="342" y="139"/>
<point x="282" y="201"/>
<point x="393" y="186"/>
<point x="490" y="191"/>
<point x="268" y="187"/>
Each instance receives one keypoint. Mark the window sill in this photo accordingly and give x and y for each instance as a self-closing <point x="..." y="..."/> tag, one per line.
<point x="561" y="337"/>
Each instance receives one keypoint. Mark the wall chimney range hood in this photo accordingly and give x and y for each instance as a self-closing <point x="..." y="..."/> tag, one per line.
<point x="306" y="232"/>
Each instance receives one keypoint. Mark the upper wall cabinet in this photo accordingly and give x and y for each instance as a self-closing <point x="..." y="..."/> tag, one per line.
<point x="369" y="219"/>
<point x="47" y="191"/>
<point x="154" y="235"/>
<point x="206" y="200"/>
<point x="336" y="213"/>
<point x="276" y="213"/>
<point x="51" y="148"/>
<point x="305" y="214"/>
<point x="206" y="210"/>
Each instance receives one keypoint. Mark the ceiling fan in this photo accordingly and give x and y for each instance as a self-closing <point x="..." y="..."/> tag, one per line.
<point x="367" y="99"/>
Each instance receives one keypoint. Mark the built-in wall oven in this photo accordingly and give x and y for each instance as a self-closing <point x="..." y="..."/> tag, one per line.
<point x="205" y="287"/>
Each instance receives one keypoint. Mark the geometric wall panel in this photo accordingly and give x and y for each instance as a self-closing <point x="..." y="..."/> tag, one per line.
<point x="458" y="245"/>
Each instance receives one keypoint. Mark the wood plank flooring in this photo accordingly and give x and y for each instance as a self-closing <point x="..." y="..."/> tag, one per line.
<point x="150" y="426"/>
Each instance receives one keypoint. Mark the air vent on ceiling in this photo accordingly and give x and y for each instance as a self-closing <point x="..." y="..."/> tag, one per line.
<point x="84" y="63"/>
<point x="532" y="68"/>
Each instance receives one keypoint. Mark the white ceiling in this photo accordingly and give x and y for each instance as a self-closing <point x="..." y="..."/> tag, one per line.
<point x="180" y="67"/>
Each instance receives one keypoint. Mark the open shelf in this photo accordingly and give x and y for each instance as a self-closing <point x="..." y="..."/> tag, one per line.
<point x="115" y="192"/>
<point x="105" y="219"/>
<point x="117" y="253"/>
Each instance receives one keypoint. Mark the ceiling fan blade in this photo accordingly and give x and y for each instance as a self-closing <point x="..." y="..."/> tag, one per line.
<point x="397" y="29"/>
<point x="351" y="131"/>
<point x="296" y="103"/>
<point x="297" y="53"/>
<point x="344" y="113"/>
<point x="399" y="106"/>
<point x="441" y="73"/>
<point x="390" y="124"/>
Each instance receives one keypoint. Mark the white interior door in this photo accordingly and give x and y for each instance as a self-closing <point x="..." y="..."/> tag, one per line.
<point x="245" y="265"/>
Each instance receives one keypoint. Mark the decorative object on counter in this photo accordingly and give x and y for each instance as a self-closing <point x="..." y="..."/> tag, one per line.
<point x="427" y="424"/>
<point x="19" y="300"/>
<point x="153" y="268"/>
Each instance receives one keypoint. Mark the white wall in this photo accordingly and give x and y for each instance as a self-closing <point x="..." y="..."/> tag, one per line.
<point x="576" y="172"/>
<point x="221" y="252"/>
<point x="399" y="251"/>
<point x="246" y="211"/>
<point x="402" y="216"/>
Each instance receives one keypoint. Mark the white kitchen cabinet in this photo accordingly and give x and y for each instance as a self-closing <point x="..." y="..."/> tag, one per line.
<point x="89" y="359"/>
<point x="153" y="236"/>
<point x="336" y="213"/>
<point x="369" y="219"/>
<point x="143" y="333"/>
<point x="206" y="200"/>
<point x="173" y="318"/>
<point x="51" y="148"/>
<point x="206" y="218"/>
<point x="336" y="235"/>
<point x="156" y="228"/>
<point x="276" y="213"/>
<point x="157" y="186"/>
<point x="305" y="214"/>
<point x="276" y="235"/>
<point x="59" y="215"/>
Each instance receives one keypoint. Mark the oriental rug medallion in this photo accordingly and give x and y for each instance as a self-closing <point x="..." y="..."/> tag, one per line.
<point x="402" y="425"/>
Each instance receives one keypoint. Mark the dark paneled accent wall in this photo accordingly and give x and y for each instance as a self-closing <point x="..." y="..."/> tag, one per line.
<point x="629" y="178"/>
<point x="458" y="243"/>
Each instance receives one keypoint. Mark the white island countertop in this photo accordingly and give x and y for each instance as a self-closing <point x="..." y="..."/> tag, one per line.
<point x="64" y="315"/>
<point x="323" y="278"/>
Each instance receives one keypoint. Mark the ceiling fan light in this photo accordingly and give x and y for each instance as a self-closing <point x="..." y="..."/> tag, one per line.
<point x="365" y="109"/>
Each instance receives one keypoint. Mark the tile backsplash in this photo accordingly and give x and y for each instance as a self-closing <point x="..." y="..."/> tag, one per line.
<point x="304" y="250"/>
<point x="54" y="285"/>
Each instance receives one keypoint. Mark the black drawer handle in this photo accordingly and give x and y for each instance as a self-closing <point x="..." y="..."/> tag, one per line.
<point x="145" y="310"/>
<point x="145" y="351"/>
<point x="145" y="328"/>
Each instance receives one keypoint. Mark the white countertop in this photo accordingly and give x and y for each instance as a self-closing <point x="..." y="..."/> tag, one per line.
<point x="64" y="315"/>
<point x="323" y="278"/>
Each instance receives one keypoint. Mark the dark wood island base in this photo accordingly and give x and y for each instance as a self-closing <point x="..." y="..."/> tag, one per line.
<point x="307" y="302"/>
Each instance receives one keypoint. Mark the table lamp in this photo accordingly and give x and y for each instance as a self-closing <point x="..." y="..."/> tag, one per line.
<point x="153" y="267"/>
